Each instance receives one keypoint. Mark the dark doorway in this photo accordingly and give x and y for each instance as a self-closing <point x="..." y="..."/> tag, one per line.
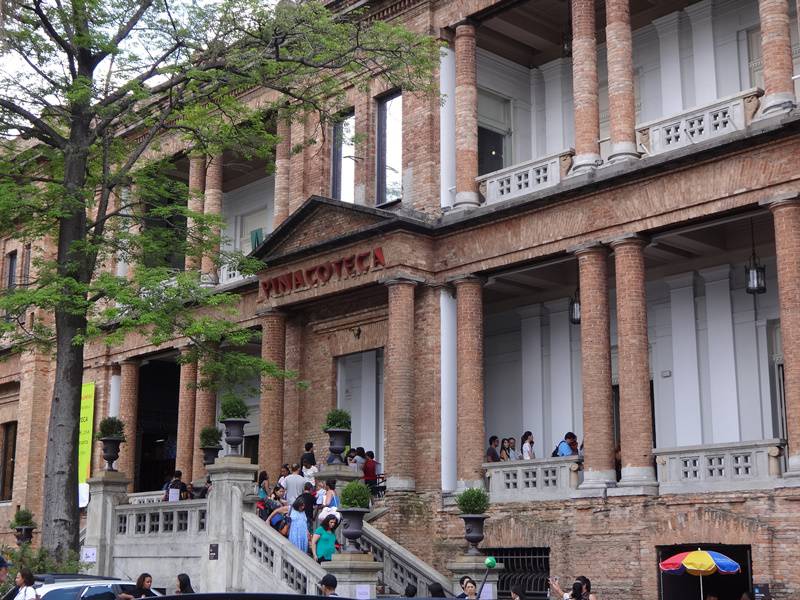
<point x="159" y="385"/>
<point x="687" y="587"/>
<point x="490" y="150"/>
<point x="527" y="567"/>
<point x="250" y="448"/>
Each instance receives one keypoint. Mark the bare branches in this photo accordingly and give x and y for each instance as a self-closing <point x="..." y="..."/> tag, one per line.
<point x="41" y="129"/>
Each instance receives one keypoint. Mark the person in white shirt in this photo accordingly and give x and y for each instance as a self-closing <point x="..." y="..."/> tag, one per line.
<point x="310" y="472"/>
<point x="294" y="484"/>
<point x="527" y="446"/>
<point x="512" y="449"/>
<point x="24" y="582"/>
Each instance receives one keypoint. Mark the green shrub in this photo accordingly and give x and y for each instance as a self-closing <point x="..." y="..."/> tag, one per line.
<point x="111" y="427"/>
<point x="338" y="418"/>
<point x="473" y="501"/>
<point x="233" y="407"/>
<point x="23" y="518"/>
<point x="38" y="560"/>
<point x="210" y="437"/>
<point x="355" y="495"/>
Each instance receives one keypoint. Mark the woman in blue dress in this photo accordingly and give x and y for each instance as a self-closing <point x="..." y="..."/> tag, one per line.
<point x="298" y="530"/>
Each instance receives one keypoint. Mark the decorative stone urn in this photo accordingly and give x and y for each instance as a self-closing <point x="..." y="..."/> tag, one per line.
<point x="234" y="434"/>
<point x="338" y="439"/>
<point x="473" y="532"/>
<point x="353" y="527"/>
<point x="111" y="451"/>
<point x="210" y="454"/>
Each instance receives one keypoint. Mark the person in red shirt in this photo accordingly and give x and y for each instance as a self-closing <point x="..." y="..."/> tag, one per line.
<point x="370" y="470"/>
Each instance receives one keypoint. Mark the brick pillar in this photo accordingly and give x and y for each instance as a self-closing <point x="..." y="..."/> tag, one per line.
<point x="786" y="218"/>
<point x="466" y="117"/>
<point x="273" y="350"/>
<point x="621" y="96"/>
<point x="598" y="424"/>
<point x="129" y="414"/>
<point x="636" y="415"/>
<point x="205" y="415"/>
<point x="282" y="174"/>
<point x="776" y="51"/>
<point x="297" y="167"/>
<point x="292" y="444"/>
<point x="212" y="206"/>
<point x="584" y="84"/>
<point x="188" y="440"/>
<point x="197" y="186"/>
<point x="398" y="390"/>
<point x="469" y="387"/>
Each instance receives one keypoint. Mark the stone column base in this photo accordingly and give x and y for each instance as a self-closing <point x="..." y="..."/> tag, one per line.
<point x="352" y="571"/>
<point x="473" y="566"/>
<point x="776" y="103"/>
<point x="467" y="200"/>
<point x="791" y="478"/>
<point x="582" y="163"/>
<point x="636" y="481"/>
<point x="596" y="484"/>
<point x="622" y="151"/>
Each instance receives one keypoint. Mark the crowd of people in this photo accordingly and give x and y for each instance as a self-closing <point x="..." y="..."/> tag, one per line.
<point x="175" y="489"/>
<point x="506" y="448"/>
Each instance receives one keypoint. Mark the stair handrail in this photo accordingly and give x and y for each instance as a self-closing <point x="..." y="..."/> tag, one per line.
<point x="288" y="564"/>
<point x="391" y="553"/>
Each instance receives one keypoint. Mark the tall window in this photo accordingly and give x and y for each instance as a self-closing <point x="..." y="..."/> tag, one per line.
<point x="343" y="158"/>
<point x="26" y="264"/>
<point x="390" y="148"/>
<point x="11" y="270"/>
<point x="494" y="132"/>
<point x="8" y="448"/>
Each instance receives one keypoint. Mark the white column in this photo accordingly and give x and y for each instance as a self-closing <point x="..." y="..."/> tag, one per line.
<point x="113" y="397"/>
<point x="670" y="58"/>
<point x="767" y="430"/>
<point x="561" y="416"/>
<point x="369" y="415"/>
<point x="685" y="373"/>
<point x="447" y="127"/>
<point x="705" y="69"/>
<point x="556" y="75"/>
<point x="721" y="356"/>
<point x="532" y="376"/>
<point x="747" y="373"/>
<point x="447" y="391"/>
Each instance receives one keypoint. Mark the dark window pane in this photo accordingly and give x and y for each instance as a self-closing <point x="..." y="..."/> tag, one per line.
<point x="9" y="448"/>
<point x="490" y="150"/>
<point x="70" y="593"/>
<point x="390" y="148"/>
<point x="11" y="270"/>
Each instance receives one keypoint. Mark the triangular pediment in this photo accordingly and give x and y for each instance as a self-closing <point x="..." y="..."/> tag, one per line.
<point x="320" y="221"/>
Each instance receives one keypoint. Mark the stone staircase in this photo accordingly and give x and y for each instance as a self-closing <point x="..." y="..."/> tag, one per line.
<point x="223" y="545"/>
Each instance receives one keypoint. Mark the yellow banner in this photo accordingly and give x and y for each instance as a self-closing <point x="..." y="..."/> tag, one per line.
<point x="85" y="432"/>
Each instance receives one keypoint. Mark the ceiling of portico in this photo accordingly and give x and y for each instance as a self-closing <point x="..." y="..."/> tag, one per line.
<point x="671" y="251"/>
<point x="534" y="32"/>
<point x="236" y="172"/>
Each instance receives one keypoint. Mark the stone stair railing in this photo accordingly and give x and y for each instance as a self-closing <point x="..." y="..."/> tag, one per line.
<point x="271" y="562"/>
<point x="400" y="567"/>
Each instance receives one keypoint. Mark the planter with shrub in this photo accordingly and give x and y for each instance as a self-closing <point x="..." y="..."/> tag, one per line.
<point x="473" y="504"/>
<point x="111" y="433"/>
<point x="24" y="525"/>
<point x="355" y="501"/>
<point x="233" y="414"/>
<point x="337" y="426"/>
<point x="210" y="438"/>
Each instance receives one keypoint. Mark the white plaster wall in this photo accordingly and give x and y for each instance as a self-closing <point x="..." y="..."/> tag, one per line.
<point x="256" y="196"/>
<point x="750" y="407"/>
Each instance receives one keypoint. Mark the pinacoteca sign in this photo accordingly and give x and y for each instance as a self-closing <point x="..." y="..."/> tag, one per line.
<point x="347" y="267"/>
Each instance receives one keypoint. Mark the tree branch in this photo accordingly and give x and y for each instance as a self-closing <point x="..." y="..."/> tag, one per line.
<point x="56" y="139"/>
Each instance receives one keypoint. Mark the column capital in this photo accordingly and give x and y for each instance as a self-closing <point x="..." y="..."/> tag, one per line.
<point x="628" y="239"/>
<point x="588" y="248"/>
<point x="783" y="199"/>
<point x="668" y="24"/>
<point x="464" y="27"/>
<point x="402" y="279"/>
<point x="700" y="11"/>
<point x="466" y="278"/>
<point x="269" y="311"/>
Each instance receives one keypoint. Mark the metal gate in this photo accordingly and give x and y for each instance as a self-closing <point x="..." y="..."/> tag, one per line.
<point x="527" y="567"/>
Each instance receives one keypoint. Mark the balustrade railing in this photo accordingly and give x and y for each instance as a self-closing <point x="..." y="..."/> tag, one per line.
<point x="400" y="567"/>
<point x="145" y="497"/>
<point x="188" y="517"/>
<point x="538" y="479"/>
<point x="701" y="123"/>
<point x="719" y="467"/>
<point x="525" y="178"/>
<point x="270" y="555"/>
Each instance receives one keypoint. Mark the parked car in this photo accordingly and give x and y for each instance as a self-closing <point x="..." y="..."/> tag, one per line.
<point x="60" y="586"/>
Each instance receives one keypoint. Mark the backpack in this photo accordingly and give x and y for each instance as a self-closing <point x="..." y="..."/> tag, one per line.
<point x="555" y="452"/>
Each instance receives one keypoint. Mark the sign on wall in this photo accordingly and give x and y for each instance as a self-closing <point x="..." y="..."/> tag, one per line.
<point x="85" y="432"/>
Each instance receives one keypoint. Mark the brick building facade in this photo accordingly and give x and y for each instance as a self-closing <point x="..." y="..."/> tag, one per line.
<point x="637" y="184"/>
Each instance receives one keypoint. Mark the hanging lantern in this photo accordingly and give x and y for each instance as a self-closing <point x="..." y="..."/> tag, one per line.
<point x="755" y="273"/>
<point x="575" y="309"/>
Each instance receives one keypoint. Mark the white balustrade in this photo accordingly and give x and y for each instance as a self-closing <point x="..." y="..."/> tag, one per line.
<point x="719" y="467"/>
<point x="152" y="519"/>
<point x="722" y="117"/>
<point x="525" y="178"/>
<point x="145" y="497"/>
<point x="400" y="567"/>
<point x="538" y="479"/>
<point x="228" y="273"/>
<point x="270" y="559"/>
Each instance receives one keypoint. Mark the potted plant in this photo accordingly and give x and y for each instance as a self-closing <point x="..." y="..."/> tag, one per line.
<point x="337" y="426"/>
<point x="473" y="503"/>
<point x="24" y="524"/>
<point x="233" y="414"/>
<point x="111" y="433"/>
<point x="355" y="500"/>
<point x="209" y="443"/>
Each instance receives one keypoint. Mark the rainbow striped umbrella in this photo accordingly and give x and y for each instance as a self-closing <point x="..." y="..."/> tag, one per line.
<point x="699" y="562"/>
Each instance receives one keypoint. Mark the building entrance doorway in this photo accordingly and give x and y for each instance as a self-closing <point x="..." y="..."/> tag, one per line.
<point x="687" y="587"/>
<point x="359" y="390"/>
<point x="159" y="385"/>
<point x="526" y="567"/>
